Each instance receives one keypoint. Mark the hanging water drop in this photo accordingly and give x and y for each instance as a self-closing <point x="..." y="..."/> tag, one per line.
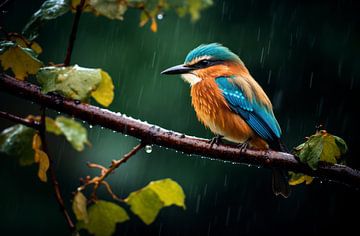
<point x="148" y="148"/>
<point x="160" y="16"/>
<point x="90" y="126"/>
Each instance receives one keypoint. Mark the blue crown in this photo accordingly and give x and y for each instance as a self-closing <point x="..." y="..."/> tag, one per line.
<point x="214" y="50"/>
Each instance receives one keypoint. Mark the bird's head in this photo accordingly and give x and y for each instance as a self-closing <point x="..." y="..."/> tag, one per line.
<point x="207" y="61"/>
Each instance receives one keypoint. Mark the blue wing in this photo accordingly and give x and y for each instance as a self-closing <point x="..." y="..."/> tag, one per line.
<point x="256" y="116"/>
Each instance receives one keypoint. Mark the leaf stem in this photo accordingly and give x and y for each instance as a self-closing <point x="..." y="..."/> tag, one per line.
<point x="74" y="29"/>
<point x="54" y="180"/>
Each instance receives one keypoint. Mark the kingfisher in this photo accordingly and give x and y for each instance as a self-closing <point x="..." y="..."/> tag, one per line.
<point x="229" y="101"/>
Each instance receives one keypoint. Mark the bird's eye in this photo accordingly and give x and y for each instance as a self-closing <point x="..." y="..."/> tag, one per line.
<point x="204" y="62"/>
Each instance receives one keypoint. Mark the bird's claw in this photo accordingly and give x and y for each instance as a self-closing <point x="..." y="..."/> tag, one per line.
<point x="216" y="140"/>
<point x="243" y="146"/>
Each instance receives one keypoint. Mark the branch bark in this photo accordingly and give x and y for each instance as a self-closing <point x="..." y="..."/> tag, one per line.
<point x="105" y="172"/>
<point x="29" y="123"/>
<point x="54" y="180"/>
<point x="74" y="28"/>
<point x="153" y="134"/>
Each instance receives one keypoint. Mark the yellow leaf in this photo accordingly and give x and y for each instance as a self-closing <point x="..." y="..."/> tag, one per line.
<point x="144" y="18"/>
<point x="40" y="157"/>
<point x="36" y="144"/>
<point x="52" y="127"/>
<point x="36" y="47"/>
<point x="79" y="207"/>
<point x="298" y="178"/>
<point x="331" y="151"/>
<point x="21" y="62"/>
<point x="148" y="201"/>
<point x="153" y="26"/>
<point x="104" y="93"/>
<point x="25" y="43"/>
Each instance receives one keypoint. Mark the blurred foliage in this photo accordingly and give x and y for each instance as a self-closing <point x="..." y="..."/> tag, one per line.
<point x="74" y="132"/>
<point x="150" y="11"/>
<point x="298" y="178"/>
<point x="17" y="141"/>
<point x="40" y="157"/>
<point x="74" y="82"/>
<point x="21" y="60"/>
<point x="103" y="217"/>
<point x="25" y="143"/>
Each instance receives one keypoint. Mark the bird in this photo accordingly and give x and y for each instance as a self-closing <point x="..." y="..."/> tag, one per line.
<point x="231" y="103"/>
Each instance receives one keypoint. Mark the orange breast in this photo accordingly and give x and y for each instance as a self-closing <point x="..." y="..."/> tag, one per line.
<point x="213" y="111"/>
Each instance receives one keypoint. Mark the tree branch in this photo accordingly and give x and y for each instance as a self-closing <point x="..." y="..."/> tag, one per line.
<point x="153" y="134"/>
<point x="54" y="180"/>
<point x="27" y="122"/>
<point x="98" y="180"/>
<point x="74" y="28"/>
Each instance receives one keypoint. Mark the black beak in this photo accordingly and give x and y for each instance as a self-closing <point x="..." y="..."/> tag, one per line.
<point x="177" y="70"/>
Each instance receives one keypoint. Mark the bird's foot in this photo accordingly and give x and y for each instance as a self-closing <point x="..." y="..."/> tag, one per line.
<point x="216" y="140"/>
<point x="243" y="146"/>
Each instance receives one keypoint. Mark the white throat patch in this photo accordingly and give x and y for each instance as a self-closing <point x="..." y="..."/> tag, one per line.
<point x="191" y="78"/>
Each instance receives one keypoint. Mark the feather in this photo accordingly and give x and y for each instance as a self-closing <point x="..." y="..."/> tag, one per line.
<point x="257" y="116"/>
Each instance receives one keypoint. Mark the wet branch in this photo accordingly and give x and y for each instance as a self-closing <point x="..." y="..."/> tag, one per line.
<point x="74" y="29"/>
<point x="98" y="180"/>
<point x="153" y="134"/>
<point x="54" y="180"/>
<point x="27" y="122"/>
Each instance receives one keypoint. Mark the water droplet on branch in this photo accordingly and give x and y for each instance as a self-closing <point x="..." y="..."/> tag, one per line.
<point x="148" y="148"/>
<point x="160" y="16"/>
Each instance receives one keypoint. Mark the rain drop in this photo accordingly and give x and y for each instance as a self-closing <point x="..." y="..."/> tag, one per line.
<point x="148" y="148"/>
<point x="160" y="16"/>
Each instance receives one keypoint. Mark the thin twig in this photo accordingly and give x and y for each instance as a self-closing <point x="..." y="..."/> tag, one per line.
<point x="74" y="29"/>
<point x="27" y="122"/>
<point x="154" y="134"/>
<point x="3" y="3"/>
<point x="98" y="180"/>
<point x="54" y="180"/>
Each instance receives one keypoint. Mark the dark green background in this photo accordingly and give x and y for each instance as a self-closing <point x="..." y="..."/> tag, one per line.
<point x="306" y="57"/>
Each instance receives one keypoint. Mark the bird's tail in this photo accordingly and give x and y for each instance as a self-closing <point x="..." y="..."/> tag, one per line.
<point x="280" y="184"/>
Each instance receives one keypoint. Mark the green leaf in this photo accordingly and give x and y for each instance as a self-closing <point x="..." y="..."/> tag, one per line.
<point x="321" y="146"/>
<point x="22" y="61"/>
<point x="146" y="204"/>
<point x="79" y="207"/>
<point x="52" y="127"/>
<point x="192" y="7"/>
<point x="74" y="132"/>
<point x="103" y="217"/>
<point x="112" y="9"/>
<point x="49" y="10"/>
<point x="341" y="145"/>
<point x="17" y="141"/>
<point x="72" y="82"/>
<point x="148" y="201"/>
<point x="298" y="178"/>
